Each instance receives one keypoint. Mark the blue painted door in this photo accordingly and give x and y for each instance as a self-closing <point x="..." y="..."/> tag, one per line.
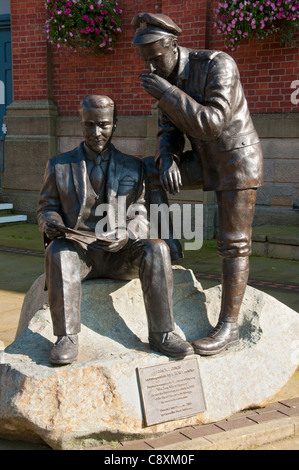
<point x="6" y="96"/>
<point x="5" y="73"/>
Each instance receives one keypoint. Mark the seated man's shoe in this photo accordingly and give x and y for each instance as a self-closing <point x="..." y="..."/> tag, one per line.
<point x="224" y="336"/>
<point x="65" y="350"/>
<point x="170" y="344"/>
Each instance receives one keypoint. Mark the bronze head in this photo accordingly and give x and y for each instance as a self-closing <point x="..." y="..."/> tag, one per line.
<point x="98" y="118"/>
<point x="156" y="37"/>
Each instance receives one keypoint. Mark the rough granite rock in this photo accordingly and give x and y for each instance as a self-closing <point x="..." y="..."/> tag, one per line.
<point x="97" y="399"/>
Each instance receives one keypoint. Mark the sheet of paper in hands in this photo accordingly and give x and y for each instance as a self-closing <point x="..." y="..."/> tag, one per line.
<point x="80" y="236"/>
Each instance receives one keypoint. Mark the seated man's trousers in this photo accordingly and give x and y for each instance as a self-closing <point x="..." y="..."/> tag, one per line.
<point x="67" y="264"/>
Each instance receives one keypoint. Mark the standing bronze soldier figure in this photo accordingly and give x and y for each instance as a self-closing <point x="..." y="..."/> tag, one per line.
<point x="200" y="96"/>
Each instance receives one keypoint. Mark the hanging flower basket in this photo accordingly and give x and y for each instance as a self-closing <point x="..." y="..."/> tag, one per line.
<point x="238" y="20"/>
<point x="83" y="24"/>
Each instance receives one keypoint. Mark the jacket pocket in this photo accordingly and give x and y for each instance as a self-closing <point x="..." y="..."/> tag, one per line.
<point x="237" y="142"/>
<point x="126" y="187"/>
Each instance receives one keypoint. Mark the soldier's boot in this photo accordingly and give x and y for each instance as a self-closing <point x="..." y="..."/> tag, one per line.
<point x="226" y="333"/>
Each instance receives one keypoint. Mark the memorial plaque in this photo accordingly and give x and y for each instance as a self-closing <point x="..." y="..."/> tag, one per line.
<point x="171" y="391"/>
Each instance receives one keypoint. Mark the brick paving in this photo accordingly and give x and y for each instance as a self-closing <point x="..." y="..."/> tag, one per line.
<point x="279" y="410"/>
<point x="21" y="251"/>
<point x="253" y="282"/>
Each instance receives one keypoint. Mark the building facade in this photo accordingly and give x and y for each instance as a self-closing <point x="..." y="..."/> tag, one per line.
<point x="43" y="91"/>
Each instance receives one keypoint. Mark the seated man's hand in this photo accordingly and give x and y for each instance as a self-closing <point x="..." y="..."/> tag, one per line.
<point x="170" y="175"/>
<point x="51" y="231"/>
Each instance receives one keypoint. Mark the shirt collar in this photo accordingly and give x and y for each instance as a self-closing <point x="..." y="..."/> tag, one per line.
<point x="183" y="66"/>
<point x="92" y="155"/>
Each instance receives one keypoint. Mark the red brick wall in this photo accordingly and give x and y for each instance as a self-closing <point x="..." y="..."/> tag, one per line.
<point x="191" y="16"/>
<point x="117" y="74"/>
<point x="267" y="69"/>
<point x="267" y="72"/>
<point x="29" y="50"/>
<point x="114" y="74"/>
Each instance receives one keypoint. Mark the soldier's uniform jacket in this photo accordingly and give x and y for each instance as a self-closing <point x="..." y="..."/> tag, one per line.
<point x="207" y="104"/>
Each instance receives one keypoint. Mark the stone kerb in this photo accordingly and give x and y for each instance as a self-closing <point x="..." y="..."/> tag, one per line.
<point x="97" y="399"/>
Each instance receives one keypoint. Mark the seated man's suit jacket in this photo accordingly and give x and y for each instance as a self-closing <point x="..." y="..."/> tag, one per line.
<point x="64" y="190"/>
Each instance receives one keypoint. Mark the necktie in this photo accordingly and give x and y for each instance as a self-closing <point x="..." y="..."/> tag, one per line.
<point x="97" y="175"/>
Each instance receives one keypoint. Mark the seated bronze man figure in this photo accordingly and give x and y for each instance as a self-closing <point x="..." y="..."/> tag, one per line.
<point x="76" y="183"/>
<point x="200" y="97"/>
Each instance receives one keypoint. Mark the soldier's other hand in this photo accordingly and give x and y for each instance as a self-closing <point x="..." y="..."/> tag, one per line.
<point x="153" y="84"/>
<point x="170" y="176"/>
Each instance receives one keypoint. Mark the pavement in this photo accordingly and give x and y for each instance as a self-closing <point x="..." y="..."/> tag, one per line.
<point x="274" y="427"/>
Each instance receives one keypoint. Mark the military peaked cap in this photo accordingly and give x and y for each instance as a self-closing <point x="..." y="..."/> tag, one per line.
<point x="151" y="27"/>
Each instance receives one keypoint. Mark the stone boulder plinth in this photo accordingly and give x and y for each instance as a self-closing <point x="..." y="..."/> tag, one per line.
<point x="97" y="399"/>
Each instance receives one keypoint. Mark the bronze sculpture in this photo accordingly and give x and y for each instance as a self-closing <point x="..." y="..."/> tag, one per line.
<point x="200" y="96"/>
<point x="68" y="203"/>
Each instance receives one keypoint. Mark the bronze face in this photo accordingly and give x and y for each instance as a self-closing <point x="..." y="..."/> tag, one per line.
<point x="161" y="59"/>
<point x="98" y="127"/>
